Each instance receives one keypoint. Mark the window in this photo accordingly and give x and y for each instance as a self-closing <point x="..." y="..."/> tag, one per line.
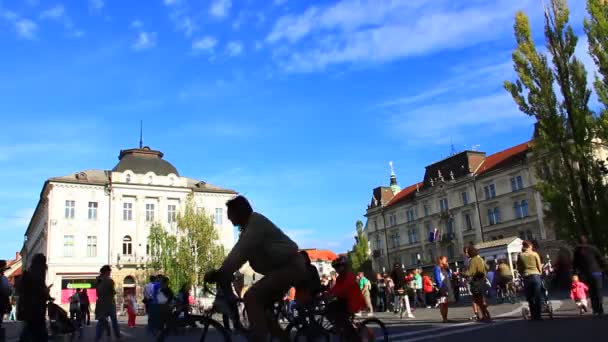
<point x="375" y="225"/>
<point x="219" y="215"/>
<point x="450" y="252"/>
<point x="468" y="223"/>
<point x="172" y="213"/>
<point x="413" y="259"/>
<point x="490" y="191"/>
<point x="395" y="239"/>
<point x="429" y="230"/>
<point x="149" y="212"/>
<point x="465" y="197"/>
<point x="91" y="246"/>
<point x="127" y="211"/>
<point x="69" y="209"/>
<point x="494" y="216"/>
<point x="449" y="226"/>
<point x="378" y="242"/>
<point x="92" y="210"/>
<point x="529" y="235"/>
<point x="443" y="204"/>
<point x="411" y="215"/>
<point x="68" y="246"/>
<point x="521" y="209"/>
<point x="147" y="249"/>
<point x="524" y="208"/>
<point x="517" y="183"/>
<point x="426" y="209"/>
<point x="392" y="220"/>
<point x="412" y="235"/>
<point x="128" y="178"/>
<point x="127" y="246"/>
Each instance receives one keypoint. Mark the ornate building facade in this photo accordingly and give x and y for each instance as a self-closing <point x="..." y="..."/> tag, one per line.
<point x="96" y="217"/>
<point x="464" y="199"/>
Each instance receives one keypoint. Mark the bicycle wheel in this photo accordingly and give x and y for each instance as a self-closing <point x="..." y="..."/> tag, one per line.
<point x="372" y="329"/>
<point x="309" y="332"/>
<point x="220" y="334"/>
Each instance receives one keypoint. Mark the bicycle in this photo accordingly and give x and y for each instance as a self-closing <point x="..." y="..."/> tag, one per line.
<point x="506" y="293"/>
<point x="300" y="326"/>
<point x="369" y="329"/>
<point x="205" y="319"/>
<point x="402" y="306"/>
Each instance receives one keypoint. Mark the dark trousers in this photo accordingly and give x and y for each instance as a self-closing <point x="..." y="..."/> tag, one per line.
<point x="420" y="298"/>
<point x="595" y="295"/>
<point x="429" y="298"/>
<point x="532" y="284"/>
<point x="381" y="301"/>
<point x="85" y="314"/>
<point x="34" y="331"/>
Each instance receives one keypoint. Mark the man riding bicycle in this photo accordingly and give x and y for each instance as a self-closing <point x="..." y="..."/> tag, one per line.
<point x="269" y="252"/>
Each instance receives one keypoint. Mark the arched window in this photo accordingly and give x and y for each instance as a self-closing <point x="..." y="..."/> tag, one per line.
<point x="127" y="246"/>
<point x="128" y="178"/>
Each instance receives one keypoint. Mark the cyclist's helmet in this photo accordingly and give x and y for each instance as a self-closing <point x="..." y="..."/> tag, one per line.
<point x="340" y="261"/>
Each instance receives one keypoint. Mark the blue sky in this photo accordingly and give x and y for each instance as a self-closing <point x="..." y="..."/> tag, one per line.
<point x="300" y="105"/>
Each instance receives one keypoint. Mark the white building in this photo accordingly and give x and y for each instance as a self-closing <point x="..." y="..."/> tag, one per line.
<point x="96" y="217"/>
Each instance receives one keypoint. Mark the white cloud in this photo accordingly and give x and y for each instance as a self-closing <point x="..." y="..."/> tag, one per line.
<point x="207" y="43"/>
<point x="373" y="31"/>
<point x="220" y="8"/>
<point x="26" y="28"/>
<point x="179" y="13"/>
<point x="234" y="48"/>
<point x="57" y="12"/>
<point x="137" y="24"/>
<point x="170" y="2"/>
<point x="441" y="122"/>
<point x="145" y="40"/>
<point x="96" y="5"/>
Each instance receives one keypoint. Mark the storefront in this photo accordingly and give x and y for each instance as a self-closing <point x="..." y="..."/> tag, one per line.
<point x="70" y="285"/>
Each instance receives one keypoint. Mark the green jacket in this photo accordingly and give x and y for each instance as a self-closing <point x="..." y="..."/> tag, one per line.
<point x="528" y="263"/>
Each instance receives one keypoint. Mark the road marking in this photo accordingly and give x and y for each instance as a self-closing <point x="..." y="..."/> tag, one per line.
<point x="466" y="326"/>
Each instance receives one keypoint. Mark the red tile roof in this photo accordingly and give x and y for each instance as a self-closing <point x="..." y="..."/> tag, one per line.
<point x="498" y="159"/>
<point x="405" y="194"/>
<point x="321" y="254"/>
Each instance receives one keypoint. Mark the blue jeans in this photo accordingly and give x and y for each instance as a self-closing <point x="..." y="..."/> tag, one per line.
<point x="102" y="324"/>
<point x="532" y="284"/>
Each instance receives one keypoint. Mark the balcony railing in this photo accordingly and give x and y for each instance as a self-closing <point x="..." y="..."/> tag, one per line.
<point x="131" y="259"/>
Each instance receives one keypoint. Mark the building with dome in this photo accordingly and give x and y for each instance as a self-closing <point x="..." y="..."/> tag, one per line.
<point x="96" y="217"/>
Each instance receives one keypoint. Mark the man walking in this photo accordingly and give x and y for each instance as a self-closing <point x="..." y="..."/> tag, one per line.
<point x="419" y="298"/>
<point x="365" y="287"/>
<point x="589" y="263"/>
<point x="106" y="303"/>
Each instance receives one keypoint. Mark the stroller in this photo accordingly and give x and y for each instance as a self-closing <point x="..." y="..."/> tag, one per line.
<point x="546" y="306"/>
<point x="60" y="323"/>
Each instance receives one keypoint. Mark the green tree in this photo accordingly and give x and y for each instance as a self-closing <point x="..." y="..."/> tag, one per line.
<point x="187" y="253"/>
<point x="359" y="256"/>
<point x="596" y="27"/>
<point x="553" y="88"/>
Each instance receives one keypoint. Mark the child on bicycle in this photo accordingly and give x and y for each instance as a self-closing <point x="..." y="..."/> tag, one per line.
<point x="349" y="299"/>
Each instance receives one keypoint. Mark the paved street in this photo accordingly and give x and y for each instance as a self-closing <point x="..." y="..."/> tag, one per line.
<point x="508" y="326"/>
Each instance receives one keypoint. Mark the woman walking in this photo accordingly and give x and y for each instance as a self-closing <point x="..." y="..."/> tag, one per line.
<point x="443" y="276"/>
<point x="529" y="267"/>
<point x="477" y="273"/>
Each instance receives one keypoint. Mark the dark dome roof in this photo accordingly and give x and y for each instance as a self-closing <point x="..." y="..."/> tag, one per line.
<point x="144" y="160"/>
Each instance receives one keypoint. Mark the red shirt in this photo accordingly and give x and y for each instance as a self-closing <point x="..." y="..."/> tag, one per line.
<point x="427" y="284"/>
<point x="347" y="288"/>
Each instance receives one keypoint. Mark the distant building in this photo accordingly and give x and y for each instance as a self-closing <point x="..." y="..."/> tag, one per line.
<point x="13" y="269"/>
<point x="464" y="199"/>
<point x="96" y="217"/>
<point x="322" y="259"/>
